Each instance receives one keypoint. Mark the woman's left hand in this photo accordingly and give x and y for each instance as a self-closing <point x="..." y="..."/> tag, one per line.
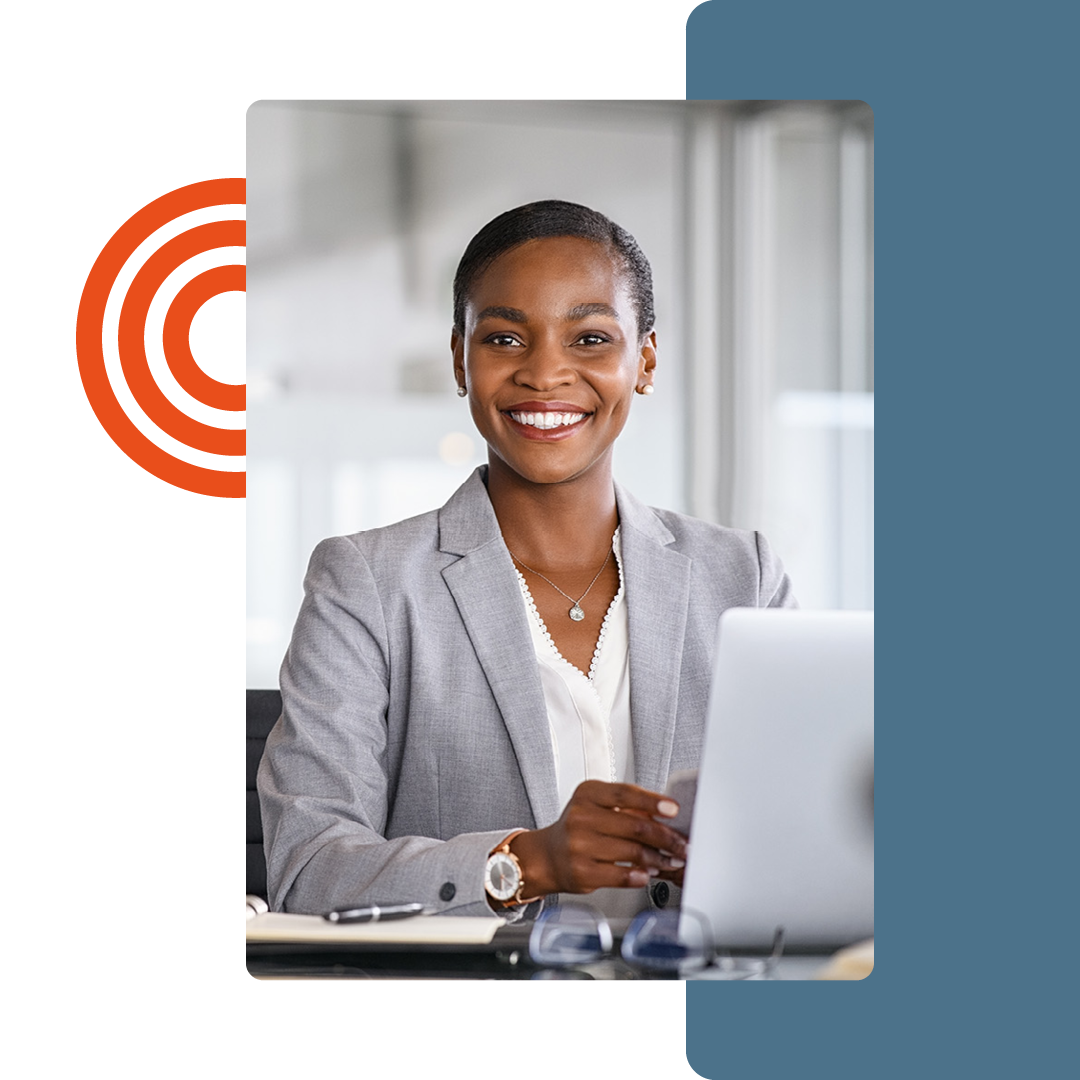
<point x="674" y="875"/>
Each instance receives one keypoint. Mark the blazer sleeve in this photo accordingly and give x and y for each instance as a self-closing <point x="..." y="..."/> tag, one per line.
<point x="774" y="586"/>
<point x="323" y="782"/>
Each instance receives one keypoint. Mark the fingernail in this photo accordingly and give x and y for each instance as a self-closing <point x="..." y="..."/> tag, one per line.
<point x="653" y="871"/>
<point x="667" y="808"/>
<point x="676" y="864"/>
<point x="638" y="877"/>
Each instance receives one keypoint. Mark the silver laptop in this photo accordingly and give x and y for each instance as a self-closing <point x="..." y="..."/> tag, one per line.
<point x="783" y="821"/>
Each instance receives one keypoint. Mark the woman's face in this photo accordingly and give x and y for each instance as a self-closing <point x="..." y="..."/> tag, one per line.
<point x="551" y="357"/>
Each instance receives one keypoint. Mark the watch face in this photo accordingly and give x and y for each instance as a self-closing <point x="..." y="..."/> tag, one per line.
<point x="503" y="877"/>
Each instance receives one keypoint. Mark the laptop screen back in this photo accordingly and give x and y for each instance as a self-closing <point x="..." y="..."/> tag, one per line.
<point x="783" y="825"/>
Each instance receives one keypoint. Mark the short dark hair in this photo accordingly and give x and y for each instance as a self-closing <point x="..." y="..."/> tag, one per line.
<point x="553" y="218"/>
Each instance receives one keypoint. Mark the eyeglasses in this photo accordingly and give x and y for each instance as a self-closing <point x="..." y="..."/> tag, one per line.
<point x="673" y="942"/>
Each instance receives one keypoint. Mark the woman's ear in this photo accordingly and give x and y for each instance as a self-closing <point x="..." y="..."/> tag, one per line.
<point x="647" y="363"/>
<point x="457" y="350"/>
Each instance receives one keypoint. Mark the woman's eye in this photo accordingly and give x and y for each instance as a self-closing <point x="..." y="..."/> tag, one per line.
<point x="502" y="339"/>
<point x="592" y="339"/>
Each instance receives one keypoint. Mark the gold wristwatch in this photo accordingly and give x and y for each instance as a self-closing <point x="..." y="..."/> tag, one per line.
<point x="503" y="877"/>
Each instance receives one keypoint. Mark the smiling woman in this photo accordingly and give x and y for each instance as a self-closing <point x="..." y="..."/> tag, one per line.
<point x="551" y="353"/>
<point x="482" y="705"/>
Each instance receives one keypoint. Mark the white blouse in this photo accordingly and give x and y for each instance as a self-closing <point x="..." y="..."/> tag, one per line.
<point x="589" y="719"/>
<point x="588" y="715"/>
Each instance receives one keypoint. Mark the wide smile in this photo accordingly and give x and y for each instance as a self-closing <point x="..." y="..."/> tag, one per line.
<point x="553" y="421"/>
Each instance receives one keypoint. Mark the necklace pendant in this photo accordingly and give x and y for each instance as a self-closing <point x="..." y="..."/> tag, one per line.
<point x="576" y="613"/>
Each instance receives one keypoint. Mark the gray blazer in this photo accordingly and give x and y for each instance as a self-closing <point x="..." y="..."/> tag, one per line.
<point x="414" y="734"/>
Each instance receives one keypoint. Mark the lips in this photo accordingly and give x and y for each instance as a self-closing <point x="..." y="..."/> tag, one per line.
<point x="545" y="419"/>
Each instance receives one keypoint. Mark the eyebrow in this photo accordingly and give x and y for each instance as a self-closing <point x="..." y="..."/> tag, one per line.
<point x="583" y="311"/>
<point x="515" y="315"/>
<point x="510" y="314"/>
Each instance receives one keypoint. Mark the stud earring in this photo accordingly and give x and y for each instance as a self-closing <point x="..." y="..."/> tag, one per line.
<point x="647" y="388"/>
<point x="461" y="391"/>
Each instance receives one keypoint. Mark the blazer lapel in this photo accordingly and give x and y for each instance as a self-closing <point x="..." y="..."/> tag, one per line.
<point x="657" y="598"/>
<point x="488" y="598"/>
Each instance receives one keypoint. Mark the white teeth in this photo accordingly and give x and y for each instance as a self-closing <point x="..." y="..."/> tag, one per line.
<point x="547" y="420"/>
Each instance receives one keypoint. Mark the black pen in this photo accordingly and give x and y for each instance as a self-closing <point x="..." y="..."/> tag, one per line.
<point x="376" y="913"/>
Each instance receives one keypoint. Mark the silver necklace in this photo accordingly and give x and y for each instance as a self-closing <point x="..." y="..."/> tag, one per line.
<point x="576" y="613"/>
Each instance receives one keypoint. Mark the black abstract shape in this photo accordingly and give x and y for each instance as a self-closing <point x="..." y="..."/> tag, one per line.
<point x="29" y="405"/>
<point x="58" y="779"/>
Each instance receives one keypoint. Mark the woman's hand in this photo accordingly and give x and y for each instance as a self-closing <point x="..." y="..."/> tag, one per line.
<point x="606" y="837"/>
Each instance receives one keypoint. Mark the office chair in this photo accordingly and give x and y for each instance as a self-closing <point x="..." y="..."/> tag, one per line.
<point x="263" y="709"/>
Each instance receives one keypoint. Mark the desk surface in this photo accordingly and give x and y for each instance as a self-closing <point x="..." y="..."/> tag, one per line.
<point x="790" y="969"/>
<point x="281" y="947"/>
<point x="503" y="957"/>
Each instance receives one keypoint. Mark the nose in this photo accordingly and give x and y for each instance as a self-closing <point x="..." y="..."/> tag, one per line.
<point x="545" y="366"/>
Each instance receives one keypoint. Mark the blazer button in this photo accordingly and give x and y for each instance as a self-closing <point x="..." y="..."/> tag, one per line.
<point x="448" y="891"/>
<point x="661" y="894"/>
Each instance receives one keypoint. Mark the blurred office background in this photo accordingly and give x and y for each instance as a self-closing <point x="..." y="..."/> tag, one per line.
<point x="757" y="218"/>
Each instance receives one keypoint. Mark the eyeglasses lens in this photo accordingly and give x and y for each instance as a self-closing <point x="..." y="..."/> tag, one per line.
<point x="569" y="935"/>
<point x="668" y="941"/>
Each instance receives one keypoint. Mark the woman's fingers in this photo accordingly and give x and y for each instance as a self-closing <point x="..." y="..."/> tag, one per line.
<point x="585" y="818"/>
<point x="636" y="868"/>
<point x="590" y="845"/>
<point x="627" y="797"/>
<point x="607" y="836"/>
<point x="613" y="876"/>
